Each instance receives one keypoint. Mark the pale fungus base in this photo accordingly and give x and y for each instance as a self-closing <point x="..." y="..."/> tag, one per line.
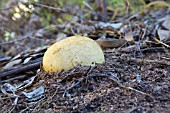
<point x="70" y="52"/>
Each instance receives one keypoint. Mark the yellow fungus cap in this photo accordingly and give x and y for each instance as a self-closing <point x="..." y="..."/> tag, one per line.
<point x="70" y="52"/>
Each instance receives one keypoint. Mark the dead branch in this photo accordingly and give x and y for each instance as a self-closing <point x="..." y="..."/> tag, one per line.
<point x="1" y="9"/>
<point x="11" y="79"/>
<point x="57" y="9"/>
<point x="149" y="61"/>
<point x="21" y="69"/>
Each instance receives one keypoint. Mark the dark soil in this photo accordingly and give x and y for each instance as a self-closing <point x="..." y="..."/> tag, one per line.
<point x="102" y="94"/>
<point x="121" y="84"/>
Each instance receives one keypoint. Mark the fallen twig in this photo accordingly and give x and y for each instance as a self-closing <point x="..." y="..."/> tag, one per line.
<point x="21" y="69"/>
<point x="56" y="9"/>
<point x="125" y="87"/>
<point x="149" y="61"/>
<point x="1" y="9"/>
<point x="140" y="92"/>
<point x="11" y="79"/>
<point x="158" y="41"/>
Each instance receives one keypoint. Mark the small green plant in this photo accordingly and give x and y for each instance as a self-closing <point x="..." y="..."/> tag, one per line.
<point x="9" y="35"/>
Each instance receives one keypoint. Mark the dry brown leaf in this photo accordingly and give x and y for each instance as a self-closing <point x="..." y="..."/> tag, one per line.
<point x="129" y="36"/>
<point x="166" y="23"/>
<point x="111" y="43"/>
<point x="11" y="64"/>
<point x="163" y="34"/>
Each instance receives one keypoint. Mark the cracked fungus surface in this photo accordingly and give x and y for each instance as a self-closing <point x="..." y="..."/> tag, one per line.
<point x="70" y="52"/>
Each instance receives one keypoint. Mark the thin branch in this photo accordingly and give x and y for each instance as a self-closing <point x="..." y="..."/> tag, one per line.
<point x="1" y="9"/>
<point x="162" y="62"/>
<point x="13" y="41"/>
<point x="19" y="39"/>
<point x="21" y="69"/>
<point x="11" y="79"/>
<point x="57" y="9"/>
<point x="105" y="13"/>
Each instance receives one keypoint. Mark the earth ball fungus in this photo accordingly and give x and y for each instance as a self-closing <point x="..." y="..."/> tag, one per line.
<point x="70" y="52"/>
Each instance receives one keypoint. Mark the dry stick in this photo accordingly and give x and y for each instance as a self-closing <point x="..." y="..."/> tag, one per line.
<point x="130" y="88"/>
<point x="105" y="13"/>
<point x="13" y="41"/>
<point x="122" y="86"/>
<point x="21" y="69"/>
<point x="127" y="7"/>
<point x="149" y="61"/>
<point x="158" y="41"/>
<point x="1" y="9"/>
<point x="56" y="9"/>
<point x="152" y="48"/>
<point x="140" y="92"/>
<point x="11" y="79"/>
<point x="22" y="38"/>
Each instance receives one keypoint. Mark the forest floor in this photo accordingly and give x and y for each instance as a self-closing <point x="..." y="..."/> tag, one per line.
<point x="135" y="77"/>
